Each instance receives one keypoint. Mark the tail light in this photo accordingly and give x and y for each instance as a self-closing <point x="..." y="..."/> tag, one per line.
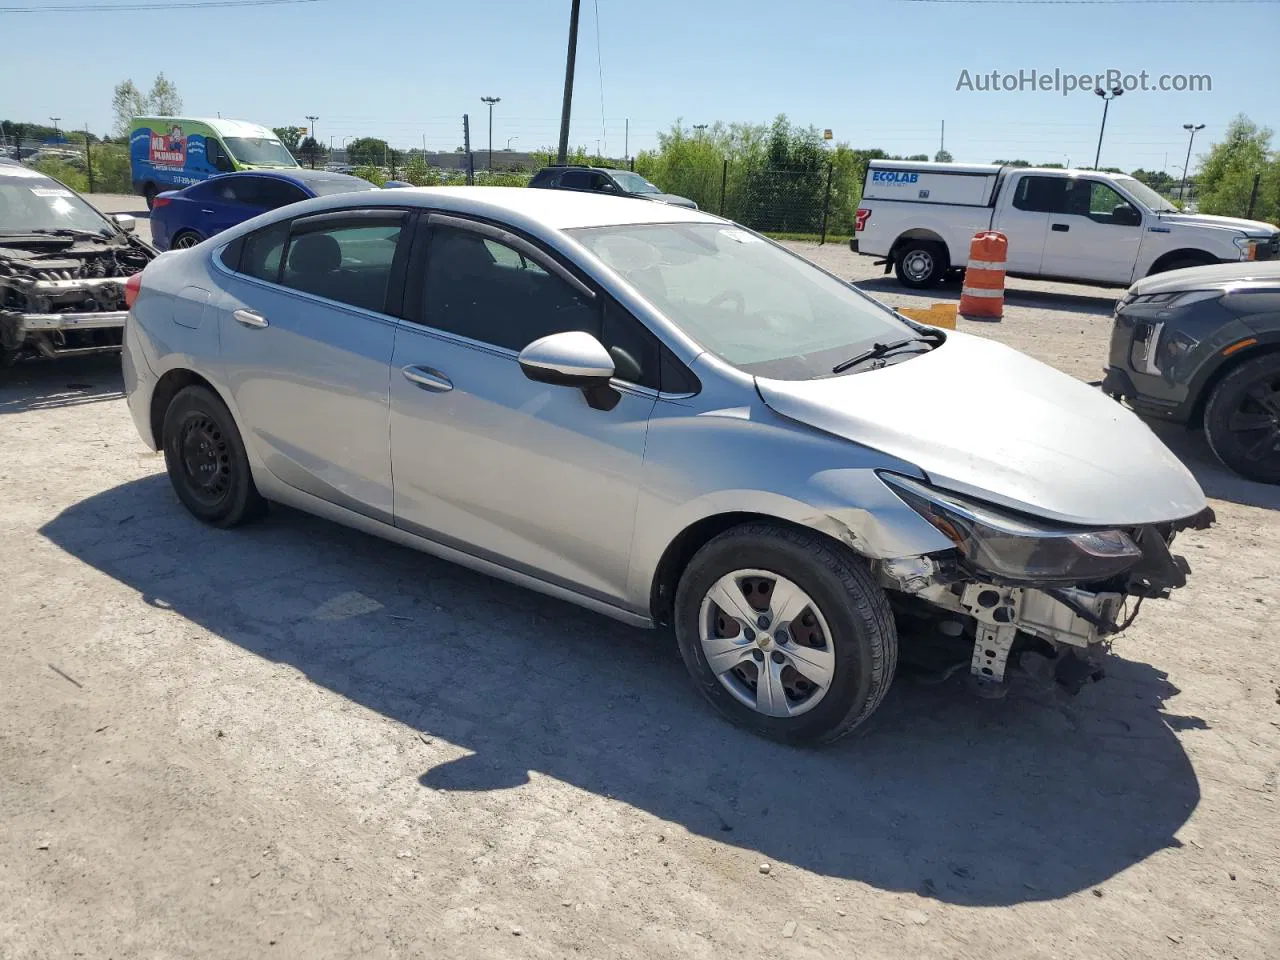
<point x="860" y="220"/>
<point x="159" y="202"/>
<point x="132" y="287"/>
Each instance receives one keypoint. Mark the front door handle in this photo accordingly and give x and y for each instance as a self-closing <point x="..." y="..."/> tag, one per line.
<point x="207" y="212"/>
<point x="1062" y="227"/>
<point x="250" y="319"/>
<point x="428" y="379"/>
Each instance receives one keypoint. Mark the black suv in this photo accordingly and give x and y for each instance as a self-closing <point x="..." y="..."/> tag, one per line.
<point x="1201" y="346"/>
<point x="624" y="183"/>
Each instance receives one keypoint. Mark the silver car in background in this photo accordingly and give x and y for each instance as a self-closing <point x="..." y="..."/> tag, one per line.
<point x="663" y="417"/>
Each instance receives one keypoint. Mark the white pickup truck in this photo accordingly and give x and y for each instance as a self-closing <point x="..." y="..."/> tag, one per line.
<point x="1076" y="225"/>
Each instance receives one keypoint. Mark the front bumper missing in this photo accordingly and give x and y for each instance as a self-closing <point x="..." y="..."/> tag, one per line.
<point x="28" y="323"/>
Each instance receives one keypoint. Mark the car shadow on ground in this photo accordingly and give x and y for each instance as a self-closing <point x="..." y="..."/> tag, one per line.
<point x="1098" y="304"/>
<point x="42" y="384"/>
<point x="1218" y="482"/>
<point x="964" y="800"/>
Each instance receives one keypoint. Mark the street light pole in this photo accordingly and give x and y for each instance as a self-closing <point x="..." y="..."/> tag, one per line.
<point x="491" y="101"/>
<point x="1190" y="128"/>
<point x="563" y="153"/>
<point x="56" y="134"/>
<point x="313" y="139"/>
<point x="509" y="139"/>
<point x="1116" y="91"/>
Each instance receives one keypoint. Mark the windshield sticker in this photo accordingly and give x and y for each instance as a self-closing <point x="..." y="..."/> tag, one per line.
<point x="51" y="191"/>
<point x="741" y="236"/>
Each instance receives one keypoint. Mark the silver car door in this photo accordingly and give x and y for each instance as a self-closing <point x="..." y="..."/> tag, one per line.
<point x="306" y="344"/>
<point x="522" y="473"/>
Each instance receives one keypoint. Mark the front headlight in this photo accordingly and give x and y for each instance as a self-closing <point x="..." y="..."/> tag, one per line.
<point x="1248" y="247"/>
<point x="1015" y="549"/>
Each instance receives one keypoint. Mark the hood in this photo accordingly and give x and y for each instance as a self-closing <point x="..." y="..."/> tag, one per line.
<point x="1254" y="228"/>
<point x="1205" y="278"/>
<point x="986" y="421"/>
<point x="673" y="199"/>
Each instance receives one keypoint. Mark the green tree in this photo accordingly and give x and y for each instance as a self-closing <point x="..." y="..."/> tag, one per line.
<point x="290" y="137"/>
<point x="312" y="151"/>
<point x="127" y="102"/>
<point x="1227" y="173"/>
<point x="367" y="151"/>
<point x="164" y="98"/>
<point x="943" y="156"/>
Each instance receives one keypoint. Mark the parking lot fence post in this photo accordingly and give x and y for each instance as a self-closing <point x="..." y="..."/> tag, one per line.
<point x="724" y="179"/>
<point x="88" y="158"/>
<point x="826" y="206"/>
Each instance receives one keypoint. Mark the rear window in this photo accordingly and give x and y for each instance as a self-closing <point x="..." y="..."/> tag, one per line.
<point x="330" y="185"/>
<point x="545" y="178"/>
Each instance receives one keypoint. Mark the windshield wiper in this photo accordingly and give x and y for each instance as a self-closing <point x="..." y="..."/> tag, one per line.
<point x="72" y="232"/>
<point x="878" y="350"/>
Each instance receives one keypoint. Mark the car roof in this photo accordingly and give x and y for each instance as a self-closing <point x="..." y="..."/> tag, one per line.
<point x="302" y="175"/>
<point x="12" y="170"/>
<point x="554" y="209"/>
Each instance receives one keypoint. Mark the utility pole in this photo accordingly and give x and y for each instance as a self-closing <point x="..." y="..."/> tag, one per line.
<point x="466" y="147"/>
<point x="491" y="101"/>
<point x="88" y="157"/>
<point x="563" y="153"/>
<point x="942" y="138"/>
<point x="1191" y="128"/>
<point x="626" y="140"/>
<point x="1116" y="91"/>
<point x="313" y="139"/>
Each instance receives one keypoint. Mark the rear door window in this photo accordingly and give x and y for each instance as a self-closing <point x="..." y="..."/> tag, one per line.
<point x="349" y="260"/>
<point x="576" y="180"/>
<point x="1040" y="194"/>
<point x="273" y="193"/>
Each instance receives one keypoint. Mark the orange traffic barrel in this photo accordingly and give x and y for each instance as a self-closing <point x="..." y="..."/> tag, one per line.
<point x="982" y="296"/>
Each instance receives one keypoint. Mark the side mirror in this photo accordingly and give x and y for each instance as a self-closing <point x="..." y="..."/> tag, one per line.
<point x="572" y="359"/>
<point x="1126" y="216"/>
<point x="125" y="221"/>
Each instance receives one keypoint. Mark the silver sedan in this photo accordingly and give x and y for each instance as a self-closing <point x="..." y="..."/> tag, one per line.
<point x="666" y="418"/>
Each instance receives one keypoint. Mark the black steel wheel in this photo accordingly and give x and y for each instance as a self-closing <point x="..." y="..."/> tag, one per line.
<point x="206" y="459"/>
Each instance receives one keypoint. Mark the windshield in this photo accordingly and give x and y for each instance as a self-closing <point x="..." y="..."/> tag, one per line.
<point x="1146" y="196"/>
<point x="753" y="304"/>
<point x="633" y="182"/>
<point x="259" y="150"/>
<point x="36" y="204"/>
<point x="330" y="185"/>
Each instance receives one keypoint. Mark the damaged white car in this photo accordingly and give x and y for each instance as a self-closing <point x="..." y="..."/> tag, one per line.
<point x="63" y="269"/>
<point x="668" y="419"/>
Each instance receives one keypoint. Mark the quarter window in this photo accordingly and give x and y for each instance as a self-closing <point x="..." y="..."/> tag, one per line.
<point x="262" y="252"/>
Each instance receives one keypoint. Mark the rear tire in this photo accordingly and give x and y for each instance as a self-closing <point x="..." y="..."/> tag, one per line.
<point x="842" y="625"/>
<point x="1242" y="420"/>
<point x="920" y="264"/>
<point x="184" y="239"/>
<point x="206" y="459"/>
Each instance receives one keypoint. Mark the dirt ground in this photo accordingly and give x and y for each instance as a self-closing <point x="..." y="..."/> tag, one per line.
<point x="295" y="740"/>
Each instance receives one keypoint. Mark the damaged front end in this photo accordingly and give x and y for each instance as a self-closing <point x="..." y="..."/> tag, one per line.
<point x="1013" y="584"/>
<point x="64" y="296"/>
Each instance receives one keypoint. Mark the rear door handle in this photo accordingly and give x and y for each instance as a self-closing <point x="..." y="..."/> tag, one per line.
<point x="1062" y="227"/>
<point x="250" y="319"/>
<point x="428" y="379"/>
<point x="207" y="212"/>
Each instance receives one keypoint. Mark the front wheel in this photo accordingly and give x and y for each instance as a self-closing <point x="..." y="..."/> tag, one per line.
<point x="1242" y="419"/>
<point x="921" y="263"/>
<point x="206" y="459"/>
<point x="785" y="633"/>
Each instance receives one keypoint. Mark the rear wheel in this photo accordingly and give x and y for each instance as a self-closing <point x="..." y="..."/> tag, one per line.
<point x="785" y="633"/>
<point x="921" y="263"/>
<point x="184" y="239"/>
<point x="1242" y="420"/>
<point x="206" y="459"/>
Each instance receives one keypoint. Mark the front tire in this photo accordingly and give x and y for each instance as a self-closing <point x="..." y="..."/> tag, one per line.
<point x="206" y="459"/>
<point x="921" y="264"/>
<point x="785" y="633"/>
<point x="1242" y="420"/>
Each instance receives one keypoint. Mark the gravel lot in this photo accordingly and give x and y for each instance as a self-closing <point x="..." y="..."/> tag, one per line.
<point x="295" y="740"/>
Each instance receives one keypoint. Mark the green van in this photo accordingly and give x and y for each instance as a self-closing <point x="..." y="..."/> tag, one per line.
<point x="169" y="153"/>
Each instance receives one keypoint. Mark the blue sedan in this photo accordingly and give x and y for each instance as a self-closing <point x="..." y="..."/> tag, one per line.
<point x="182" y="218"/>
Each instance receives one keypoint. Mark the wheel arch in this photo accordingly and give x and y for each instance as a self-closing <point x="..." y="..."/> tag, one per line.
<point x="1209" y="380"/>
<point x="1162" y="262"/>
<point x="167" y="387"/>
<point x="694" y="537"/>
<point x="918" y="233"/>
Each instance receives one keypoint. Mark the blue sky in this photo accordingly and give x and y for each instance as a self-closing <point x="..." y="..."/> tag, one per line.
<point x="880" y="74"/>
